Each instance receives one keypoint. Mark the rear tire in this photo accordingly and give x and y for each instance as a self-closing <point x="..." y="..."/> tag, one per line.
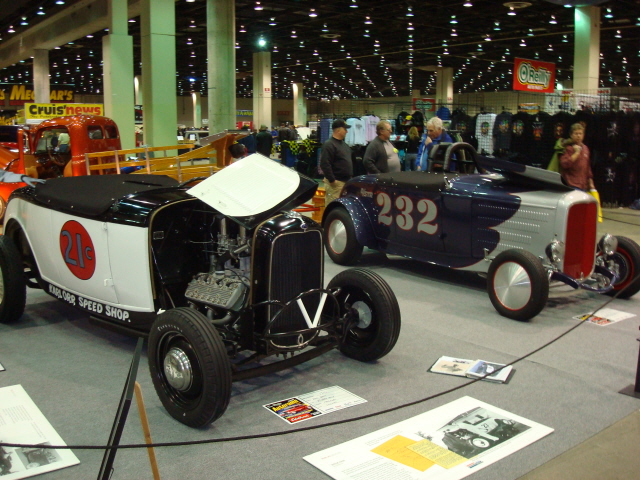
<point x="13" y="289"/>
<point x="189" y="367"/>
<point x="373" y="306"/>
<point x="627" y="257"/>
<point x="340" y="238"/>
<point x="517" y="285"/>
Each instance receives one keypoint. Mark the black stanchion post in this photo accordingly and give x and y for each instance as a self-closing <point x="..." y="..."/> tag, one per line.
<point x="121" y="415"/>
<point x="634" y="390"/>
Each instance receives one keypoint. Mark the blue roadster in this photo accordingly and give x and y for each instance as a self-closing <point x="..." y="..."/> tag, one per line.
<point x="521" y="226"/>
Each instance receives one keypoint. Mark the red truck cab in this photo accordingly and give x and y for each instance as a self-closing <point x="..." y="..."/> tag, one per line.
<point x="44" y="158"/>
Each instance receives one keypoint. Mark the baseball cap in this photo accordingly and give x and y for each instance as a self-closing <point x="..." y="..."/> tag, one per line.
<point x="339" y="122"/>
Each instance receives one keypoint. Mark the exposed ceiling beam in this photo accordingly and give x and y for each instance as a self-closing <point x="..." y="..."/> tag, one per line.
<point x="79" y="20"/>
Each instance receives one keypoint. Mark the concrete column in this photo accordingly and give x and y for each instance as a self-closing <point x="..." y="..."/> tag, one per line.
<point x="137" y="88"/>
<point x="221" y="71"/>
<point x="158" y="39"/>
<point x="261" y="89"/>
<point x="117" y="54"/>
<point x="586" y="58"/>
<point x="197" y="109"/>
<point x="41" y="76"/>
<point x="444" y="85"/>
<point x="299" y="105"/>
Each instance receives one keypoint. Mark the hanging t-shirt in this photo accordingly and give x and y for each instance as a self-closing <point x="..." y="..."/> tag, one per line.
<point x="325" y="129"/>
<point x="464" y="124"/>
<point x="355" y="134"/>
<point x="542" y="140"/>
<point x="370" y="122"/>
<point x="443" y="113"/>
<point x="502" y="132"/>
<point x="484" y="132"/>
<point x="561" y="125"/>
<point x="520" y="135"/>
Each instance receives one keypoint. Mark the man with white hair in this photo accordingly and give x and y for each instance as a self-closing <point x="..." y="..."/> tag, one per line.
<point x="435" y="135"/>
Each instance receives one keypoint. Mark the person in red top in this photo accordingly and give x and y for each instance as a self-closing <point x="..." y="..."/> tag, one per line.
<point x="575" y="163"/>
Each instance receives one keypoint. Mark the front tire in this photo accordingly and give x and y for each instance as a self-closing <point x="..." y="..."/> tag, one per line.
<point x="517" y="285"/>
<point x="13" y="289"/>
<point x="627" y="257"/>
<point x="340" y="238"/>
<point x="373" y="314"/>
<point x="189" y="367"/>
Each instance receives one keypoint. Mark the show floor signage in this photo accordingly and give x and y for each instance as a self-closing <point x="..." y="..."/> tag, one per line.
<point x="534" y="76"/>
<point x="605" y="316"/>
<point x="20" y="94"/>
<point x="310" y="405"/>
<point x="38" y="112"/>
<point x="21" y="421"/>
<point x="447" y="443"/>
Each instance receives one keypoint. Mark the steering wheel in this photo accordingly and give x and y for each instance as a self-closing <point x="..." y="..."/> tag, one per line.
<point x="465" y="150"/>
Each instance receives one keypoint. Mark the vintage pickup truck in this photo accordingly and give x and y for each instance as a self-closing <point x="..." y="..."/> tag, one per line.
<point x="37" y="156"/>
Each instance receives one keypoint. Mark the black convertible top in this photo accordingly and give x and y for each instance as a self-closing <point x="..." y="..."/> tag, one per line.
<point x="94" y="194"/>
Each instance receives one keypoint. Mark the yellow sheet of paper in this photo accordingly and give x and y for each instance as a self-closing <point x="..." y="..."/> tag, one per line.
<point x="437" y="454"/>
<point x="396" y="450"/>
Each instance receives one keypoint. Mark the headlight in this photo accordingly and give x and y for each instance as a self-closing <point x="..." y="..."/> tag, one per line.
<point x="608" y="244"/>
<point x="555" y="252"/>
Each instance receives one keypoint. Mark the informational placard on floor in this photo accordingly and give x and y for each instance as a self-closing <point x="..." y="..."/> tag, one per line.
<point x="447" y="443"/>
<point x="21" y="421"/>
<point x="310" y="405"/>
<point x="1" y="368"/>
<point x="605" y="316"/>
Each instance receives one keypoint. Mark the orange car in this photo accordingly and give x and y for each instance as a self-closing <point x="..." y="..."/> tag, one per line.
<point x="44" y="158"/>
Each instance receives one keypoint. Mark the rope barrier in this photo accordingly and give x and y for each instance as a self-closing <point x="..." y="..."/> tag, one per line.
<point x="313" y="427"/>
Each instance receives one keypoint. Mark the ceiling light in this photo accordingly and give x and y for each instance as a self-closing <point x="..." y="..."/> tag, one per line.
<point x="24" y="21"/>
<point x="11" y="30"/>
<point x="59" y="2"/>
<point x="353" y="4"/>
<point x="367" y="21"/>
<point x="618" y="34"/>
<point x="242" y="30"/>
<point x="410" y="26"/>
<point x="293" y="34"/>
<point x="453" y="19"/>
<point x="409" y="12"/>
<point x="189" y="42"/>
<point x="467" y="4"/>
<point x="453" y="32"/>
<point x="530" y="34"/>
<point x="550" y="49"/>
<point x="497" y="26"/>
<point x="487" y="38"/>
<point x="511" y="11"/>
<point x="312" y="13"/>
<point x="553" y="20"/>
<point x="272" y="22"/>
<point x="608" y="14"/>
<point x="40" y="12"/>
<point x="258" y="6"/>
<point x="523" y="43"/>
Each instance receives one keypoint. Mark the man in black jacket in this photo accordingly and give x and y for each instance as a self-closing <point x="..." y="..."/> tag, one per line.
<point x="380" y="156"/>
<point x="335" y="161"/>
<point x="264" y="140"/>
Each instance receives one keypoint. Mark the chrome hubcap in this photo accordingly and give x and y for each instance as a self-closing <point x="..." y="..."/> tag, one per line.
<point x="512" y="285"/>
<point x="364" y="314"/>
<point x="177" y="369"/>
<point x="337" y="236"/>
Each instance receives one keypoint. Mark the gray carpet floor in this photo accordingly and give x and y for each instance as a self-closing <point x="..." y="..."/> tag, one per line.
<point x="74" y="371"/>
